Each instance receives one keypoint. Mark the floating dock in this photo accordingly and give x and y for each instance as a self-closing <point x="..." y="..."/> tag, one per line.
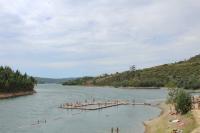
<point x="97" y="105"/>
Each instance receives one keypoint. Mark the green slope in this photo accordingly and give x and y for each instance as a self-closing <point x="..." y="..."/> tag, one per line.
<point x="13" y="81"/>
<point x="42" y="80"/>
<point x="183" y="74"/>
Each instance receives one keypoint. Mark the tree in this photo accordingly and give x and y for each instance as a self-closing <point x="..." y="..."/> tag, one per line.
<point x="132" y="68"/>
<point x="183" y="102"/>
<point x="33" y="80"/>
<point x="172" y="92"/>
<point x="13" y="81"/>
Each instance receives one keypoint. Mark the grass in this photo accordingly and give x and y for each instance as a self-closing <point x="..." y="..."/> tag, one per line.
<point x="191" y="125"/>
<point x="162" y="124"/>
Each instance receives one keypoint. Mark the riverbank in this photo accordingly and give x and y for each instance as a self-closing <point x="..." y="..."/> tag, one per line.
<point x="17" y="94"/>
<point x="196" y="114"/>
<point x="167" y="122"/>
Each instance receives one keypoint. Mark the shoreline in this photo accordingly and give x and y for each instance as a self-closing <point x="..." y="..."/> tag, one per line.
<point x="162" y="123"/>
<point x="148" y="124"/>
<point x="128" y="87"/>
<point x="17" y="94"/>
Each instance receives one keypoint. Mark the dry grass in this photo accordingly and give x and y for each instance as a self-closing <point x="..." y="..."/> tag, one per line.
<point x="196" y="114"/>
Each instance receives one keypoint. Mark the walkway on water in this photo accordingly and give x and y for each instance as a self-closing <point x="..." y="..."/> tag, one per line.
<point x="97" y="105"/>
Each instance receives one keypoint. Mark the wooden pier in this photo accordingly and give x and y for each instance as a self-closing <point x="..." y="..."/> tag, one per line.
<point x="97" y="105"/>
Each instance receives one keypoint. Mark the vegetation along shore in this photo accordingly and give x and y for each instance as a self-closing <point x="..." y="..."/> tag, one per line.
<point x="179" y="114"/>
<point x="166" y="122"/>
<point x="13" y="83"/>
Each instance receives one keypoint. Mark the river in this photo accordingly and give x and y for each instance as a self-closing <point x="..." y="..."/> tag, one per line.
<point x="21" y="114"/>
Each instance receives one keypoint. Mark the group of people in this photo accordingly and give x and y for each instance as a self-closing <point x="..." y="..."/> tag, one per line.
<point x="38" y="122"/>
<point x="116" y="130"/>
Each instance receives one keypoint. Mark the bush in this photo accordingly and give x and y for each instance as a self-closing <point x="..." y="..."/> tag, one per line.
<point x="172" y="94"/>
<point x="116" y="84"/>
<point x="183" y="102"/>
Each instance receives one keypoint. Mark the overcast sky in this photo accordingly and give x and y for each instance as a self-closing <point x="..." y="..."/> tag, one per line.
<point x="70" y="38"/>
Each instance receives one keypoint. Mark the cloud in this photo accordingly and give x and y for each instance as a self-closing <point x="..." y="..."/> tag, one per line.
<point x="76" y="38"/>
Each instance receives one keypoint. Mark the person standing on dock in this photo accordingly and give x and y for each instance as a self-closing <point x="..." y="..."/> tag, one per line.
<point x="93" y="100"/>
<point x="112" y="130"/>
<point x="117" y="130"/>
<point x="133" y="101"/>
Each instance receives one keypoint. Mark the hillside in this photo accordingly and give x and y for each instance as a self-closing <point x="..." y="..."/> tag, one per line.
<point x="13" y="81"/>
<point x="41" y="80"/>
<point x="183" y="74"/>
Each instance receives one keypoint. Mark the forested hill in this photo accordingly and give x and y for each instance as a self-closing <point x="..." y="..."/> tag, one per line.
<point x="42" y="80"/>
<point x="183" y="74"/>
<point x="13" y="81"/>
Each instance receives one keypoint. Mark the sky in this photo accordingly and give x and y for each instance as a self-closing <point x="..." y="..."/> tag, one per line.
<point x="73" y="38"/>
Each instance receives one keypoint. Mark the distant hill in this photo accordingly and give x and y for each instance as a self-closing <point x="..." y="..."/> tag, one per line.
<point x="41" y="80"/>
<point x="183" y="74"/>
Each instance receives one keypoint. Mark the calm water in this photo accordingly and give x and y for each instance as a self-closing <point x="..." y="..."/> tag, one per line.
<point x="20" y="115"/>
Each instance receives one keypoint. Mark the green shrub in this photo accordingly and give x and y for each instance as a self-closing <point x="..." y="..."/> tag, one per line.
<point x="183" y="102"/>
